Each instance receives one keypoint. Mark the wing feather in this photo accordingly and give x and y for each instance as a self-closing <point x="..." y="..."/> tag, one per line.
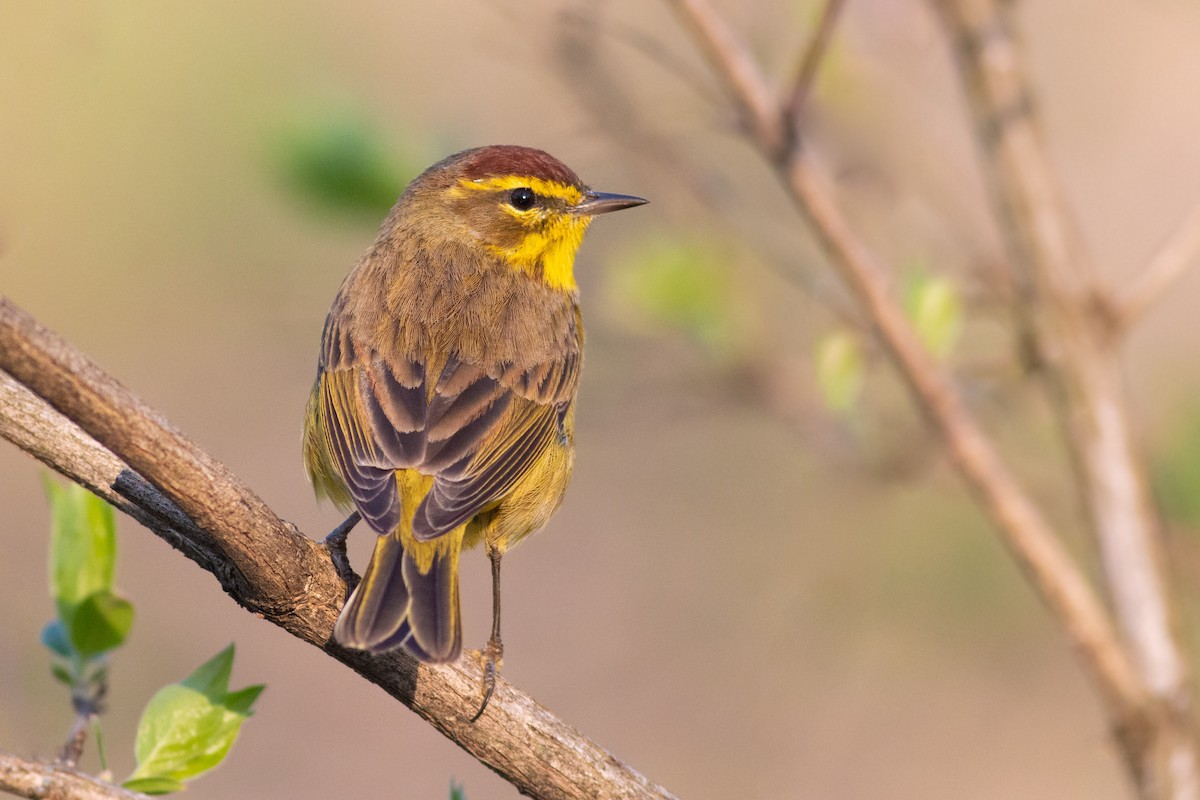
<point x="478" y="431"/>
<point x="372" y="485"/>
<point x="493" y="470"/>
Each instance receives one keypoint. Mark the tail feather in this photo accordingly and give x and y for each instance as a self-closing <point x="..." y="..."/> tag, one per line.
<point x="433" y="605"/>
<point x="398" y="605"/>
<point x="378" y="607"/>
<point x="403" y="637"/>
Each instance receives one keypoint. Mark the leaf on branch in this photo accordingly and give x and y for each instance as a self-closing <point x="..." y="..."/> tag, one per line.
<point x="54" y="637"/>
<point x="189" y="727"/>
<point x="83" y="544"/>
<point x="92" y="618"/>
<point x="154" y="785"/>
<point x="100" y="623"/>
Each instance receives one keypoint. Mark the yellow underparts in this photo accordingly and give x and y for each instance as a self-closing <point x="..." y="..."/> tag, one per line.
<point x="413" y="487"/>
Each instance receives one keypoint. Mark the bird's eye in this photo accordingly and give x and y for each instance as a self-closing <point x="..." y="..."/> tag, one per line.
<point x="522" y="199"/>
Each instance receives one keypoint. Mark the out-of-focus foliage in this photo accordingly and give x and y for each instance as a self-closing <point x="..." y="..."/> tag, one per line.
<point x="342" y="163"/>
<point x="935" y="308"/>
<point x="1176" y="471"/>
<point x="684" y="284"/>
<point x="92" y="618"/>
<point x="188" y="727"/>
<point x="839" y="366"/>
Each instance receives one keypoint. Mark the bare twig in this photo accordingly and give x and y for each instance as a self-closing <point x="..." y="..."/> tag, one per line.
<point x="518" y="738"/>
<point x="72" y="749"/>
<point x="582" y="68"/>
<point x="744" y="81"/>
<point x="87" y="700"/>
<point x="37" y="780"/>
<point x="1023" y="528"/>
<point x="1166" y="268"/>
<point x="1074" y="337"/>
<point x="1025" y="531"/>
<point x="811" y="60"/>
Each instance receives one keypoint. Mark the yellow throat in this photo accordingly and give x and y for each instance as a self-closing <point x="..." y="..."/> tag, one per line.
<point x="553" y="237"/>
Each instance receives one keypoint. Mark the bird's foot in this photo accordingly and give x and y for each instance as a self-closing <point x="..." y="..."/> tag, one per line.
<point x="492" y="657"/>
<point x="335" y="543"/>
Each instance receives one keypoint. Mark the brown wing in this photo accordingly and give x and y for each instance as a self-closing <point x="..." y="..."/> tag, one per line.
<point x="477" y="430"/>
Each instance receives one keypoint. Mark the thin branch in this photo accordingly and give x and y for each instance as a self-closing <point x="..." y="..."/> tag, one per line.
<point x="38" y="780"/>
<point x="72" y="749"/>
<point x="87" y="700"/>
<point x="811" y="60"/>
<point x="1022" y="526"/>
<point x="1075" y="339"/>
<point x="586" y="26"/>
<point x="582" y="69"/>
<point x="263" y="562"/>
<point x="743" y="79"/>
<point x="1165" y="269"/>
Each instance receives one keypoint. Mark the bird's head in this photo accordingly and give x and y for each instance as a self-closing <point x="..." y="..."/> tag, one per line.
<point x="523" y="205"/>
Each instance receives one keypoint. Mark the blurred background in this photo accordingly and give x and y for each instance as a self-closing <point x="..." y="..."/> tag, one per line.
<point x="764" y="581"/>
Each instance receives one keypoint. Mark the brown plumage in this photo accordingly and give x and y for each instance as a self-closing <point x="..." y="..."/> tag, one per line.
<point x="443" y="410"/>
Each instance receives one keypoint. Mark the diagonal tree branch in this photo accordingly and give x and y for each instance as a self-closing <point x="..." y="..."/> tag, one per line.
<point x="1075" y="337"/>
<point x="37" y="780"/>
<point x="53" y="401"/>
<point x="744" y="81"/>
<point x="810" y="61"/>
<point x="1020" y="523"/>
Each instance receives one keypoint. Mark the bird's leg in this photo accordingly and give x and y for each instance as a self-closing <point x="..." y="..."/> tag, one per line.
<point x="494" y="651"/>
<point x="335" y="543"/>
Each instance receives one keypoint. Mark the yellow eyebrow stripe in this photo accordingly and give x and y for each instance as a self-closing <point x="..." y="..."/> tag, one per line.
<point x="562" y="191"/>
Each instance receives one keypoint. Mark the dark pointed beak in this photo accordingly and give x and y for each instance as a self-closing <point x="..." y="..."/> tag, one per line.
<point x="603" y="202"/>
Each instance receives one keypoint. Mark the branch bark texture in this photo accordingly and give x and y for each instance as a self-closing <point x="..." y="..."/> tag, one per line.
<point x="37" y="780"/>
<point x="64" y="410"/>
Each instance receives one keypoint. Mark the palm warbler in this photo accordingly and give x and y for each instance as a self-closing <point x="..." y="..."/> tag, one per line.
<point x="444" y="406"/>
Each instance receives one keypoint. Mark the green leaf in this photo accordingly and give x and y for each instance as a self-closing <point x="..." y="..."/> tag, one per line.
<point x="54" y="636"/>
<point x="100" y="623"/>
<point x="155" y="785"/>
<point x="456" y="792"/>
<point x="83" y="546"/>
<point x="188" y="728"/>
<point x="242" y="701"/>
<point x="181" y="734"/>
<point x="839" y="367"/>
<point x="61" y="674"/>
<point x="935" y="308"/>
<point x="212" y="677"/>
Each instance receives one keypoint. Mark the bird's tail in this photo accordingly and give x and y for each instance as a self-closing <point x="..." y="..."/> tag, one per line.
<point x="408" y="598"/>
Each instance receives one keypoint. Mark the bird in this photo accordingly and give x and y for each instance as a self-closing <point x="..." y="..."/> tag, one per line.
<point x="443" y="411"/>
